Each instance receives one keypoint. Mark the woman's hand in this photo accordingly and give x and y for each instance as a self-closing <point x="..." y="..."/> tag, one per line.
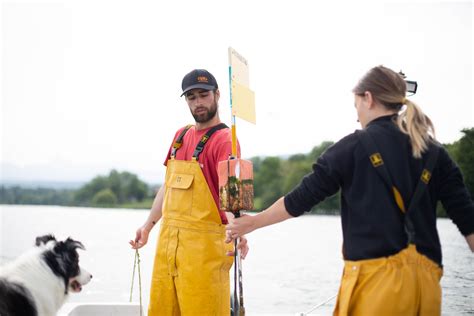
<point x="240" y="226"/>
<point x="245" y="224"/>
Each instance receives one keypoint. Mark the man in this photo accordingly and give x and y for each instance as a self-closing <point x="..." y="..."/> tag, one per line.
<point x="192" y="262"/>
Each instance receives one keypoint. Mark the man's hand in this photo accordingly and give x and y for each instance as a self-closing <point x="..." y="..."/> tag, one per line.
<point x="242" y="246"/>
<point x="141" y="238"/>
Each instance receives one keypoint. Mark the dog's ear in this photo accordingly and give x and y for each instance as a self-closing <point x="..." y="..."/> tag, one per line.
<point x="73" y="244"/>
<point x="43" y="240"/>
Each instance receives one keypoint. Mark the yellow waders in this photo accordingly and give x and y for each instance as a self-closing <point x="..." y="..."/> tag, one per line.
<point x="191" y="269"/>
<point x="403" y="284"/>
<point x="407" y="283"/>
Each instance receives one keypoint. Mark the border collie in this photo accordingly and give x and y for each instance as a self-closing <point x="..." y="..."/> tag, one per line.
<point x="37" y="283"/>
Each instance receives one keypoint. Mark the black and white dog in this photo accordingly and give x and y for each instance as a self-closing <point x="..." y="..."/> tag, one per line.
<point x="37" y="283"/>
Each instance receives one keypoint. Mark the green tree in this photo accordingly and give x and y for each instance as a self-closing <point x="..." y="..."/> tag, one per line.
<point x="319" y="150"/>
<point x="132" y="188"/>
<point x="126" y="186"/>
<point x="35" y="196"/>
<point x="295" y="169"/>
<point x="462" y="152"/>
<point x="136" y="189"/>
<point x="465" y="158"/>
<point x="105" y="197"/>
<point x="85" y="194"/>
<point x="453" y="150"/>
<point x="268" y="182"/>
<point x="115" y="183"/>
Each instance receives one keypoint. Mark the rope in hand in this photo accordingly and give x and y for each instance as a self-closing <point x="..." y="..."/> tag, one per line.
<point x="135" y="264"/>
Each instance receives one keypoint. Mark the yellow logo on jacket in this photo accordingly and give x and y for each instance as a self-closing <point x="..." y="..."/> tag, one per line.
<point x="376" y="159"/>
<point x="425" y="176"/>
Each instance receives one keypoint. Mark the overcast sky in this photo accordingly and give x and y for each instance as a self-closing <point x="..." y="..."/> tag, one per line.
<point x="88" y="86"/>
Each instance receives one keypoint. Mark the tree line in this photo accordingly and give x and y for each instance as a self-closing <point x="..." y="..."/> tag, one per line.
<point x="115" y="189"/>
<point x="273" y="177"/>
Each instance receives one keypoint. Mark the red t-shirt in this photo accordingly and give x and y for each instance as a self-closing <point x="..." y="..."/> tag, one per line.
<point x="217" y="148"/>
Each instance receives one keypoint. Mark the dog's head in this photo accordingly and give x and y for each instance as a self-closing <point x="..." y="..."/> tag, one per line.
<point x="63" y="259"/>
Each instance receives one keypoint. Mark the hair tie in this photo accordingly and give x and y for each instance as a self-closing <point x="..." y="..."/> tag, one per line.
<point x="404" y="100"/>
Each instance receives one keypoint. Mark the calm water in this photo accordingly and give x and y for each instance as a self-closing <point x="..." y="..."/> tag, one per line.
<point x="291" y="267"/>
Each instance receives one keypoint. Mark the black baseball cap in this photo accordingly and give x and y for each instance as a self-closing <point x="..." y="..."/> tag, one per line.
<point x="199" y="79"/>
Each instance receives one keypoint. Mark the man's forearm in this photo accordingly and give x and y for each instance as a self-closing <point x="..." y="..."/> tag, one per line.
<point x="156" y="209"/>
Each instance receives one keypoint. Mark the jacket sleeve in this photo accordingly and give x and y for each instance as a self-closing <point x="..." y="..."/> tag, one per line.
<point x="324" y="181"/>
<point x="454" y="195"/>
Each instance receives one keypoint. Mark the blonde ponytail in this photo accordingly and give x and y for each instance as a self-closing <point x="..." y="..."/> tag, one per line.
<point x="389" y="89"/>
<point x="418" y="126"/>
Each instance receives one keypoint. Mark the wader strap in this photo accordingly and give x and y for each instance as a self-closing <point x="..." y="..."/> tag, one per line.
<point x="420" y="189"/>
<point x="378" y="164"/>
<point x="205" y="138"/>
<point x="179" y="141"/>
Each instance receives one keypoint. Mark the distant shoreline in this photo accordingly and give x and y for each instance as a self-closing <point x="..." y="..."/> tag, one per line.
<point x="131" y="206"/>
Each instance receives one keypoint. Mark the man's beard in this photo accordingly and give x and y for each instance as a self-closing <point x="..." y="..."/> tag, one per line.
<point x="206" y="116"/>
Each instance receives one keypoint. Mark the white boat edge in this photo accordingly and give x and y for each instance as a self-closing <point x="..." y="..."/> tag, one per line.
<point x="122" y="309"/>
<point x="102" y="309"/>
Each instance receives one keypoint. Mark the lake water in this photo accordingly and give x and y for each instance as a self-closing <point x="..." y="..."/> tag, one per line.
<point x="290" y="268"/>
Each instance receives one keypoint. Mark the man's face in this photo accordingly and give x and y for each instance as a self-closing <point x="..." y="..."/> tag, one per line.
<point x="202" y="104"/>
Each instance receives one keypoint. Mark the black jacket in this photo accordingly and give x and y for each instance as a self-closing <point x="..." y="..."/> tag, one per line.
<point x="372" y="223"/>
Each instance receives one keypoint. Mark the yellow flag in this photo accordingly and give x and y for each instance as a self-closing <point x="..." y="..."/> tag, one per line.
<point x="243" y="102"/>
<point x="243" y="98"/>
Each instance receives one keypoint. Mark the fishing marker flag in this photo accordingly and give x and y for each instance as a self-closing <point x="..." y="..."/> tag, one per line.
<point x="235" y="174"/>
<point x="242" y="98"/>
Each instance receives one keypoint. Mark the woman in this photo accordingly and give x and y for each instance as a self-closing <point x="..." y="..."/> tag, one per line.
<point x="391" y="248"/>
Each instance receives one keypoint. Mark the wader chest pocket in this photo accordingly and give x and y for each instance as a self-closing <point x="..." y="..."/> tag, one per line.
<point x="179" y="194"/>
<point x="180" y="181"/>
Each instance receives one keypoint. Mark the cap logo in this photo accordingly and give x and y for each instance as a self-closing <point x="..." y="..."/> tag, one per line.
<point x="202" y="79"/>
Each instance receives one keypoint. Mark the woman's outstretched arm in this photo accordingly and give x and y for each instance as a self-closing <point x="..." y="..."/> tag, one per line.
<point x="247" y="223"/>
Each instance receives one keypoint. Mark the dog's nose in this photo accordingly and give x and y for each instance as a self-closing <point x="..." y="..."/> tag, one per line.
<point x="91" y="276"/>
